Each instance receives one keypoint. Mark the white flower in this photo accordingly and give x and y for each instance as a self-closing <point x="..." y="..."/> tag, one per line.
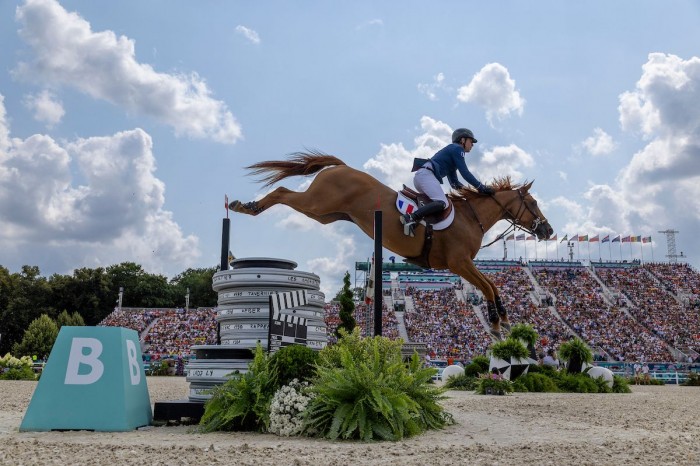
<point x="287" y="407"/>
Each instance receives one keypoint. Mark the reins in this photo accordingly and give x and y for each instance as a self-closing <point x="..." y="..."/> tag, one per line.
<point x="514" y="220"/>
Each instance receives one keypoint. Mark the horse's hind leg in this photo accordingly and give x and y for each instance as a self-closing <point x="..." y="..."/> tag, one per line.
<point x="299" y="201"/>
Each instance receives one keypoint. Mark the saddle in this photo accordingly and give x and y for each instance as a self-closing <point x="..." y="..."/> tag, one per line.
<point x="422" y="199"/>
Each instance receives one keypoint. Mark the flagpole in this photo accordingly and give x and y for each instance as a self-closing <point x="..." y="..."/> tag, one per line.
<point x="641" y="250"/>
<point x="652" y="249"/>
<point x="588" y="245"/>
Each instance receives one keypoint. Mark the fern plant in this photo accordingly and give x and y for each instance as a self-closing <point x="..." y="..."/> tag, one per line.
<point x="524" y="332"/>
<point x="575" y="352"/>
<point x="243" y="402"/>
<point x="363" y="390"/>
<point x="510" y="347"/>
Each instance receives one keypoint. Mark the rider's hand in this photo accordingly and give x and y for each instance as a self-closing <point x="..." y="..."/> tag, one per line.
<point x="486" y="189"/>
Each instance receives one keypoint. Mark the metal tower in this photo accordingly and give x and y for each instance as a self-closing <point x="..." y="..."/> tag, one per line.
<point x="671" y="244"/>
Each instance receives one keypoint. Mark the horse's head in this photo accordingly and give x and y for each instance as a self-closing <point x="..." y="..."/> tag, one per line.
<point x="521" y="209"/>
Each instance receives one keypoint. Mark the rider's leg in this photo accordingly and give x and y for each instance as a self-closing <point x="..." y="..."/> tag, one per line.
<point x="425" y="182"/>
<point x="411" y="220"/>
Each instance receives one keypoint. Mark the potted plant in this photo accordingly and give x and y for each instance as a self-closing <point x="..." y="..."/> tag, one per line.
<point x="493" y="384"/>
<point x="509" y="358"/>
<point x="527" y="335"/>
<point x="577" y="355"/>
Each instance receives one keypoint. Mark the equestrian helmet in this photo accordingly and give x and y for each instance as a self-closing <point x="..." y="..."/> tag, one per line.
<point x="462" y="133"/>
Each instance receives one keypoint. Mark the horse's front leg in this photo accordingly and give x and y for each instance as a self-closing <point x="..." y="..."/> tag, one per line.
<point x="502" y="314"/>
<point x="469" y="272"/>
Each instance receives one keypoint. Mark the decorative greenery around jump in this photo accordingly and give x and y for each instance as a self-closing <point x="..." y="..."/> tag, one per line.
<point x="359" y="388"/>
<point x="12" y="368"/>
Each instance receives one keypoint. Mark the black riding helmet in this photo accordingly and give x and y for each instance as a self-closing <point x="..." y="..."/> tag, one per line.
<point x="463" y="133"/>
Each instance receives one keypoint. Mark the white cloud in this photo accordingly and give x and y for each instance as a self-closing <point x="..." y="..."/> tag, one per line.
<point x="375" y="22"/>
<point x="600" y="143"/>
<point x="504" y="160"/>
<point x="660" y="187"/>
<point x="46" y="107"/>
<point x="249" y="34"/>
<point x="431" y="89"/>
<point x="493" y="89"/>
<point x="116" y="213"/>
<point x="100" y="64"/>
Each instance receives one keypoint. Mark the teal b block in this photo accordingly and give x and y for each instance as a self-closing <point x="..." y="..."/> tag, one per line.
<point x="93" y="380"/>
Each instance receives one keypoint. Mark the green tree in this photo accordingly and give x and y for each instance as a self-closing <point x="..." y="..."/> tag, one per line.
<point x="38" y="339"/>
<point x="347" y="321"/>
<point x="28" y="297"/>
<point x="199" y="282"/>
<point x="71" y="320"/>
<point x="87" y="291"/>
<point x="141" y="289"/>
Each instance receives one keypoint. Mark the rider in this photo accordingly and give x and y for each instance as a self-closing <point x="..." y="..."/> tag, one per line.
<point x="428" y="178"/>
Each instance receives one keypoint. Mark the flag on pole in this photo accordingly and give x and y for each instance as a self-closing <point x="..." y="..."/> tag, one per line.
<point x="583" y="238"/>
<point x="520" y="237"/>
<point x="510" y="237"/>
<point x="616" y="239"/>
<point x="565" y="238"/>
<point x="574" y="238"/>
<point x="594" y="239"/>
<point x="530" y="238"/>
<point x="646" y="239"/>
<point x="636" y="239"/>
<point x="553" y="238"/>
<point x="606" y="239"/>
<point x="626" y="239"/>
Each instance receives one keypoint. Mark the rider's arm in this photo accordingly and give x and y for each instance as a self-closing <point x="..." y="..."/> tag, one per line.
<point x="464" y="171"/>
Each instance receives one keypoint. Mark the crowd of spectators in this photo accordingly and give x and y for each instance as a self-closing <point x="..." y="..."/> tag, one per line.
<point x="526" y="307"/>
<point x="641" y="311"/>
<point x="581" y="303"/>
<point x="176" y="331"/>
<point x="133" y="318"/>
<point x="364" y="320"/>
<point x="653" y="306"/>
<point x="449" y="327"/>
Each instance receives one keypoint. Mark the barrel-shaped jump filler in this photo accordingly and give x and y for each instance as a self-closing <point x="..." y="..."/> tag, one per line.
<point x="93" y="380"/>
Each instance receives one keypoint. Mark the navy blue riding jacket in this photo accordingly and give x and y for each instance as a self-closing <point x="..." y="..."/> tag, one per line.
<point x="448" y="161"/>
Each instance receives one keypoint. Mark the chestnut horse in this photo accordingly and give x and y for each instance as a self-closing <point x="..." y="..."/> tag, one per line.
<point x="340" y="192"/>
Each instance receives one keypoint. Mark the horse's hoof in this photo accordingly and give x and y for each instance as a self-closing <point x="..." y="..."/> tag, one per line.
<point x="495" y="335"/>
<point x="505" y="327"/>
<point x="234" y="205"/>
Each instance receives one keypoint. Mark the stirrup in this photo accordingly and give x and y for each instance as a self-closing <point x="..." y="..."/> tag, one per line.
<point x="409" y="225"/>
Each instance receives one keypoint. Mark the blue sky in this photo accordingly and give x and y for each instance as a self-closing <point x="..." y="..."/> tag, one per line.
<point x="124" y="124"/>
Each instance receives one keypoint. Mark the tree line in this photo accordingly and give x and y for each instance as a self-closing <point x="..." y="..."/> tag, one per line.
<point x="93" y="294"/>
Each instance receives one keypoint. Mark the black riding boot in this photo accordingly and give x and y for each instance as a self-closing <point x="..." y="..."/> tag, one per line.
<point x="411" y="220"/>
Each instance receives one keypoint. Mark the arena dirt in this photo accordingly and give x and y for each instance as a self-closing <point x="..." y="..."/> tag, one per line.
<point x="653" y="425"/>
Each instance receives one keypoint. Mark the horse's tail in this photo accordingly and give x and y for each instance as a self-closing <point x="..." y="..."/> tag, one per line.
<point x="298" y="164"/>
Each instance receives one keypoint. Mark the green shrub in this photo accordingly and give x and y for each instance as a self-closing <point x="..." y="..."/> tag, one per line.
<point x="508" y="348"/>
<point x="576" y="383"/>
<point x="693" y="380"/>
<point x="18" y="373"/>
<point x="575" y="352"/>
<point x="549" y="371"/>
<point x="482" y="361"/>
<point x="524" y="332"/>
<point x="620" y="385"/>
<point x="243" y="402"/>
<point x="363" y="390"/>
<point x="462" y="382"/>
<point x="538" y="382"/>
<point x="293" y="362"/>
<point x="493" y="384"/>
<point x="473" y="370"/>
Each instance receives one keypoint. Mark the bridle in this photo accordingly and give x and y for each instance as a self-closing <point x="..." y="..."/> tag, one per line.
<point x="515" y="220"/>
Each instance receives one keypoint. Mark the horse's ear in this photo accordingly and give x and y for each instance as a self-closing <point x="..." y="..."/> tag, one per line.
<point x="528" y="186"/>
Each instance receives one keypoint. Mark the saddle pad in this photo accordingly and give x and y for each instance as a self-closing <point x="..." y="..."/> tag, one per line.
<point x="407" y="206"/>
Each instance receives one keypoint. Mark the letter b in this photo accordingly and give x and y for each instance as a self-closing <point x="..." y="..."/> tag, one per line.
<point x="76" y="358"/>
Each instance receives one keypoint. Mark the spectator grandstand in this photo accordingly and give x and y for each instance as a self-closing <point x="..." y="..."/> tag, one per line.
<point x="624" y="311"/>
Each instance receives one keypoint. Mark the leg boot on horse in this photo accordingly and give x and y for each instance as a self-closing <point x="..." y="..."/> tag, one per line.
<point x="494" y="320"/>
<point x="503" y="315"/>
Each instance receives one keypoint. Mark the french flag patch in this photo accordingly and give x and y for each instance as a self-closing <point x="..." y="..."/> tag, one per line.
<point x="404" y="205"/>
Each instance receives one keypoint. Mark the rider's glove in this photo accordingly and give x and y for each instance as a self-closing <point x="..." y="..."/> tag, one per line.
<point x="486" y="189"/>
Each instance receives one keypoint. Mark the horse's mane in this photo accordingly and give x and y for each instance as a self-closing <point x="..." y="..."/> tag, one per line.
<point x="502" y="183"/>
